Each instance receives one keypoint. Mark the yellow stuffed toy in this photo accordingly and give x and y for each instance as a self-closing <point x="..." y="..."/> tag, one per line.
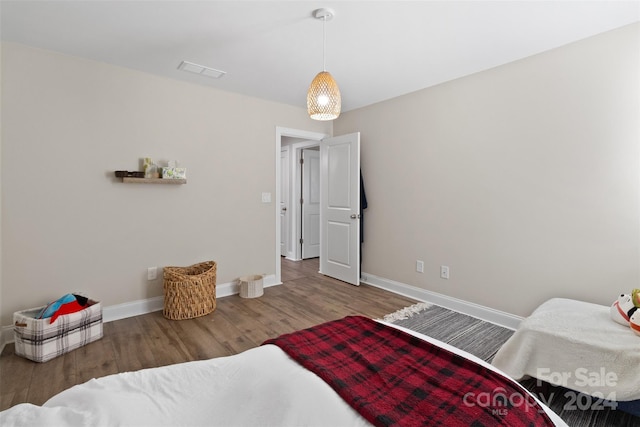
<point x="634" y="319"/>
<point x="635" y="297"/>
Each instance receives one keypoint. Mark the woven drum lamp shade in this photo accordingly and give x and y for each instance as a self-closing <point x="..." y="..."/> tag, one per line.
<point x="323" y="98"/>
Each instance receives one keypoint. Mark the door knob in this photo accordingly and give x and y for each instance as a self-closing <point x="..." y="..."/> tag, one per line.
<point x="284" y="208"/>
<point x="354" y="216"/>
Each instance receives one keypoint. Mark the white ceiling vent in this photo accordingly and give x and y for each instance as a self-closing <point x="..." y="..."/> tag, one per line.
<point x="201" y="69"/>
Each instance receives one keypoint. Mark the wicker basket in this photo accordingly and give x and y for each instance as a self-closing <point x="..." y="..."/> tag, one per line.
<point x="189" y="291"/>
<point x="251" y="286"/>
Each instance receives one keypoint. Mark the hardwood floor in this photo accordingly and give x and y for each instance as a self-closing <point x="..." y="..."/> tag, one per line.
<point x="305" y="298"/>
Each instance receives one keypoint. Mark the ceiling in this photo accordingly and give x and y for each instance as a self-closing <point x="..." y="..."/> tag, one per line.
<point x="376" y="50"/>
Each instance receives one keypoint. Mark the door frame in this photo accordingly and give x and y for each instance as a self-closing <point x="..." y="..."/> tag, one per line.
<point x="294" y="133"/>
<point x="287" y="216"/>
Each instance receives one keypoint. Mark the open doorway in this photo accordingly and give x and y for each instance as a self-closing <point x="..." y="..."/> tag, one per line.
<point x="299" y="199"/>
<point x="296" y="140"/>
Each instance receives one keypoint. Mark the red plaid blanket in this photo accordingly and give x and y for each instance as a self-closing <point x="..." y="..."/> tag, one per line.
<point x="393" y="378"/>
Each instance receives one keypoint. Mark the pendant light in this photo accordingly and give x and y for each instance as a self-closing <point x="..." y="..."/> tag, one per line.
<point x="323" y="97"/>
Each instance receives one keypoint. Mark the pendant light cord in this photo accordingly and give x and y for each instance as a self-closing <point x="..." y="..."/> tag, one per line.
<point x="324" y="43"/>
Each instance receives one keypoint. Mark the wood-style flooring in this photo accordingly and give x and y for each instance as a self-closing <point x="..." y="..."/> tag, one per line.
<point x="305" y="298"/>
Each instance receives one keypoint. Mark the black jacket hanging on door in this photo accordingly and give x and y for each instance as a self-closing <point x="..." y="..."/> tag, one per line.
<point x="363" y="206"/>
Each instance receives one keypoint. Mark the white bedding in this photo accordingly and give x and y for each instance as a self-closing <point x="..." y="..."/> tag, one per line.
<point x="575" y="344"/>
<point x="261" y="386"/>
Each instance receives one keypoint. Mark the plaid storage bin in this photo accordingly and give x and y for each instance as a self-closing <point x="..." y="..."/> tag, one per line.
<point x="40" y="341"/>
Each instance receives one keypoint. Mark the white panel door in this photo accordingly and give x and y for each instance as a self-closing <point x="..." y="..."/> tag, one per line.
<point x="284" y="200"/>
<point x="340" y="207"/>
<point x="310" y="203"/>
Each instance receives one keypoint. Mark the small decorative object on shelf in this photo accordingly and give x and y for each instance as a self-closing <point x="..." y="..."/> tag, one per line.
<point x="172" y="171"/>
<point x="127" y="174"/>
<point x="150" y="168"/>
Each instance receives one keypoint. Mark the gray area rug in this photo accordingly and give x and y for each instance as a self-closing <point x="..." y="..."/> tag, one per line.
<point x="484" y="339"/>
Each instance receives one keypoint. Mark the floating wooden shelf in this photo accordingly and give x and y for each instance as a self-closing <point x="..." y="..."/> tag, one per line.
<point x="153" y="181"/>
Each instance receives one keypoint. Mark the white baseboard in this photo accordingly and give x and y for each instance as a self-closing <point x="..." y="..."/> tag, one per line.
<point x="481" y="312"/>
<point x="6" y="336"/>
<point x="144" y="306"/>
<point x="132" y="308"/>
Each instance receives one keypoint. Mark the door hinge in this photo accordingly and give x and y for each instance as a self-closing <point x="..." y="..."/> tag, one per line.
<point x="301" y="160"/>
<point x="301" y="241"/>
<point x="301" y="200"/>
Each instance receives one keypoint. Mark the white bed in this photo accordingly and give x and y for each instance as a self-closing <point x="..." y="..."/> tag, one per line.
<point x="261" y="386"/>
<point x="575" y="344"/>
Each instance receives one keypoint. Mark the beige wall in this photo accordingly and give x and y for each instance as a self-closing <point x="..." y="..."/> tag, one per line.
<point x="523" y="179"/>
<point x="68" y="225"/>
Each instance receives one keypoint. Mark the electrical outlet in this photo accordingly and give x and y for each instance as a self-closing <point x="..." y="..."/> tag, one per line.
<point x="152" y="273"/>
<point x="444" y="272"/>
<point x="420" y="266"/>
